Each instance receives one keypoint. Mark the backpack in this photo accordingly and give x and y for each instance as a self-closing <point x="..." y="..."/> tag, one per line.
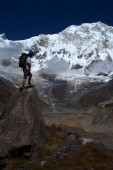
<point x="22" y="60"/>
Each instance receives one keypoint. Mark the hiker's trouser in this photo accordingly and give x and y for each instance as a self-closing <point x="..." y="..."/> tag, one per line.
<point x="26" y="73"/>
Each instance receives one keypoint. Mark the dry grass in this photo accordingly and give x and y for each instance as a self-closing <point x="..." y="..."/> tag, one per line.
<point x="53" y="142"/>
<point x="89" y="157"/>
<point x="14" y="164"/>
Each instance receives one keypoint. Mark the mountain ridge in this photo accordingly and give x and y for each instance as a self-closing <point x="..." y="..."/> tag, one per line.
<point x="84" y="50"/>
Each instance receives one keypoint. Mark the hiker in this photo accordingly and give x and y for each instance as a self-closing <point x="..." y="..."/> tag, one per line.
<point x="25" y="64"/>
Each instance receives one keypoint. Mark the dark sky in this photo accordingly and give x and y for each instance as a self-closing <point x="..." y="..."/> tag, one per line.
<point x="21" y="19"/>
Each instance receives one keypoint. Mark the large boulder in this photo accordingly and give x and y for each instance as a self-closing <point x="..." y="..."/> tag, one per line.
<point x="21" y="123"/>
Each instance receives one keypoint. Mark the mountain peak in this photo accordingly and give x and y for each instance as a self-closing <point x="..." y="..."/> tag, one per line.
<point x="3" y="36"/>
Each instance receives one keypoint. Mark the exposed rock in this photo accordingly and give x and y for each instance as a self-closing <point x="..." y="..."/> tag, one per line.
<point x="76" y="66"/>
<point x="6" y="62"/>
<point x="97" y="95"/>
<point x="3" y="161"/>
<point x="3" y="36"/>
<point x="21" y="123"/>
<point x="107" y="103"/>
<point x="6" y="90"/>
<point x="5" y="82"/>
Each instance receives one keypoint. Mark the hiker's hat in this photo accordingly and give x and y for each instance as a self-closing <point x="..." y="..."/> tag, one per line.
<point x="31" y="52"/>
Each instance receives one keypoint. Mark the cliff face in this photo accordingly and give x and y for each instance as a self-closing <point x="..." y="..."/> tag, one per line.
<point x="21" y="122"/>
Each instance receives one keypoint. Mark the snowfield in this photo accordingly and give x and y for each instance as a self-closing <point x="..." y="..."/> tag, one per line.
<point x="76" y="52"/>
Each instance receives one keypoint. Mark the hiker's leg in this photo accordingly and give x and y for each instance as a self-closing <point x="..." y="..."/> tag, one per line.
<point x="29" y="80"/>
<point x="25" y="78"/>
<point x="23" y="82"/>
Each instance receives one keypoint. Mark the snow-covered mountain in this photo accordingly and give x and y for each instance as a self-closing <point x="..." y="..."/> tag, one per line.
<point x="85" y="50"/>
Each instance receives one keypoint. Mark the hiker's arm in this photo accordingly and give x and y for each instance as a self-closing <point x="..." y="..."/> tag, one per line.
<point x="29" y="63"/>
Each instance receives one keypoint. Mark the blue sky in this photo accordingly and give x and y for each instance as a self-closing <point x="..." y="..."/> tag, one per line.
<point x="21" y="19"/>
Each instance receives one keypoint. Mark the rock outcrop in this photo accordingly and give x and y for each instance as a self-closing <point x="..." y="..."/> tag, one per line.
<point x="97" y="95"/>
<point x="21" y="123"/>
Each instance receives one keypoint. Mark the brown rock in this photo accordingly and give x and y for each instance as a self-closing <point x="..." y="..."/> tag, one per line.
<point x="21" y="122"/>
<point x="95" y="96"/>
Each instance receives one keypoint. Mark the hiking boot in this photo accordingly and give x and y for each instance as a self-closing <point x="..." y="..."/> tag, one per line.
<point x="22" y="88"/>
<point x="30" y="85"/>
